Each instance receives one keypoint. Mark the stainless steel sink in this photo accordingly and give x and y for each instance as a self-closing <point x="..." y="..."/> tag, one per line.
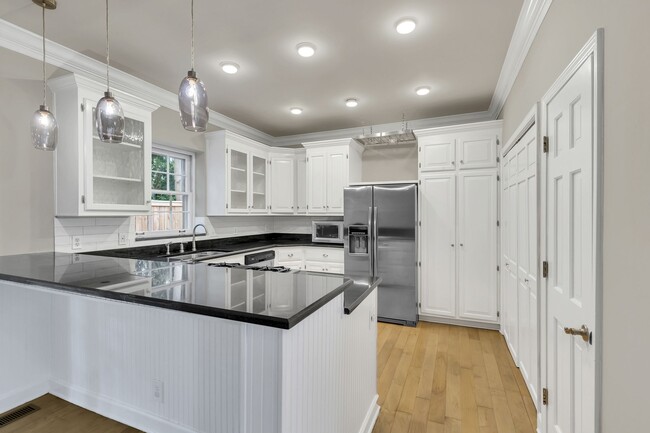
<point x="195" y="257"/>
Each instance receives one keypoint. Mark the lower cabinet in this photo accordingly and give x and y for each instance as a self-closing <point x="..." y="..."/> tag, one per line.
<point x="458" y="248"/>
<point x="314" y="259"/>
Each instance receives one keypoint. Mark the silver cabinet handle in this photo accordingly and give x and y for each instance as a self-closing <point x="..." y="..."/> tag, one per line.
<point x="325" y="255"/>
<point x="290" y="255"/>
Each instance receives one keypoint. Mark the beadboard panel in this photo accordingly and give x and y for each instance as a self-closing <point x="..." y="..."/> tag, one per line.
<point x="25" y="345"/>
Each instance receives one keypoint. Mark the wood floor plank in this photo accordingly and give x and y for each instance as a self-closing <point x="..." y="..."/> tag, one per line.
<point x="486" y="421"/>
<point x="468" y="408"/>
<point x="434" y="427"/>
<point x="419" y="416"/>
<point x="452" y="409"/>
<point x="502" y="415"/>
<point x="401" y="423"/>
<point x="428" y="365"/>
<point x="409" y="393"/>
<point x="384" y="422"/>
<point x="438" y="400"/>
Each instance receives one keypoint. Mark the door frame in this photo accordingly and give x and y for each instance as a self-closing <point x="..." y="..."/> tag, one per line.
<point x="593" y="49"/>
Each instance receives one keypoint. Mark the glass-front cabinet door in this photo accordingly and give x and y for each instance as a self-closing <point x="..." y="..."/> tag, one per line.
<point x="258" y="184"/>
<point x="116" y="174"/>
<point x="238" y="180"/>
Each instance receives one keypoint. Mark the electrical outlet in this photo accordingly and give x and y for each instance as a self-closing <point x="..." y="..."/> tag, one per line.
<point x="76" y="242"/>
<point x="158" y="390"/>
<point x="123" y="239"/>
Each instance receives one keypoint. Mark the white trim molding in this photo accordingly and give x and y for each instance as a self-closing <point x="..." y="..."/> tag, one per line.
<point x="530" y="20"/>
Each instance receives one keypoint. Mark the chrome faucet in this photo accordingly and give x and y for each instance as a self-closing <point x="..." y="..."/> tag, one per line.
<point x="194" y="235"/>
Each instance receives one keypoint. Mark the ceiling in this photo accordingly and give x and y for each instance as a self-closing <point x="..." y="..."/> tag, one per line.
<point x="457" y="49"/>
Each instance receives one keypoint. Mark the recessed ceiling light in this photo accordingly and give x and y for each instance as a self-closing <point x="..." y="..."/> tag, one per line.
<point x="229" y="67"/>
<point x="351" y="102"/>
<point x="306" y="49"/>
<point x="423" y="91"/>
<point x="296" y="111"/>
<point x="405" y="26"/>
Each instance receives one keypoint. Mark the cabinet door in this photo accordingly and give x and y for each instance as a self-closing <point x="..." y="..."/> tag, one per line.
<point x="477" y="150"/>
<point x="337" y="179"/>
<point x="437" y="153"/>
<point x="118" y="175"/>
<point x="238" y="180"/>
<point x="334" y="268"/>
<point x="301" y="184"/>
<point x="282" y="184"/>
<point x="477" y="242"/>
<point x="438" y="245"/>
<point x="317" y="181"/>
<point x="294" y="264"/>
<point x="258" y="183"/>
<point x="316" y="266"/>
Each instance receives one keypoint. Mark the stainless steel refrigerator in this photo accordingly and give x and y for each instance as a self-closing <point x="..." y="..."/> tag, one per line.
<point x="380" y="238"/>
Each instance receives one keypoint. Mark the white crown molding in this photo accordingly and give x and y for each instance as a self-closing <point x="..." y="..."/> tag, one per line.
<point x="432" y="122"/>
<point x="530" y="20"/>
<point x="22" y="41"/>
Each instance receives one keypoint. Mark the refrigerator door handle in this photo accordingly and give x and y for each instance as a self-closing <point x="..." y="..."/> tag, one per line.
<point x="371" y="255"/>
<point x="375" y="242"/>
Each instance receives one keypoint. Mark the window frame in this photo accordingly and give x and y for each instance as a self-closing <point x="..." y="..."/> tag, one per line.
<point x="190" y="176"/>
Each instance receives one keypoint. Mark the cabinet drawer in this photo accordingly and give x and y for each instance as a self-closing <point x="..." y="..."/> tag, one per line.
<point x="328" y="267"/>
<point x="324" y="254"/>
<point x="289" y="254"/>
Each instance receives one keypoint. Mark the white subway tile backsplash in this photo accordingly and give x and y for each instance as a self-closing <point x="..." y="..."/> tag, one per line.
<point x="74" y="222"/>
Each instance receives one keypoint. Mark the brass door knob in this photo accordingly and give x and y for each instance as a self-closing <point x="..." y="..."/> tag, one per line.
<point x="582" y="332"/>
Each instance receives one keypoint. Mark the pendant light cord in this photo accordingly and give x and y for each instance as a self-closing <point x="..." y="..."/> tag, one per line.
<point x="44" y="73"/>
<point x="108" y="53"/>
<point x="192" y="13"/>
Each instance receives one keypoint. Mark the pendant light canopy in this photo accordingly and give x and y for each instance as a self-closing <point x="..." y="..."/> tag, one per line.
<point x="45" y="130"/>
<point x="109" y="117"/>
<point x="192" y="96"/>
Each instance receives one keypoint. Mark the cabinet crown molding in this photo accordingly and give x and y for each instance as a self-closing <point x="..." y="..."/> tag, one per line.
<point x="420" y="133"/>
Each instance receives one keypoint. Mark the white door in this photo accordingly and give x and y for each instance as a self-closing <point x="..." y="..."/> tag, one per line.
<point x="316" y="181"/>
<point x="337" y="178"/>
<point x="437" y="153"/>
<point x="570" y="251"/>
<point x="509" y="246"/>
<point x="477" y="150"/>
<point x="282" y="184"/>
<point x="259" y="183"/>
<point x="477" y="245"/>
<point x="438" y="245"/>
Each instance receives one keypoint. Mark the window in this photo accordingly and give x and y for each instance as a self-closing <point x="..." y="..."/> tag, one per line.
<point x="172" y="195"/>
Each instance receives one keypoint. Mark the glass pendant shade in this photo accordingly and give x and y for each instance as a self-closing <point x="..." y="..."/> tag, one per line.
<point x="45" y="130"/>
<point x="109" y="119"/>
<point x="193" y="103"/>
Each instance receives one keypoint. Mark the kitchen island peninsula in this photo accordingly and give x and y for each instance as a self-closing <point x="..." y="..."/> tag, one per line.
<point x="177" y="347"/>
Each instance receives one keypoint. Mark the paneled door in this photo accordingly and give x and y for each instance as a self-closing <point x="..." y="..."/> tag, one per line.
<point x="282" y="184"/>
<point x="337" y="178"/>
<point x="569" y="114"/>
<point x="317" y="181"/>
<point x="509" y="247"/>
<point x="438" y="246"/>
<point x="477" y="245"/>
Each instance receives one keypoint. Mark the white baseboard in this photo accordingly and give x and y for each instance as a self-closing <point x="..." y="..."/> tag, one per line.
<point x="459" y="322"/>
<point x="115" y="410"/>
<point x="18" y="398"/>
<point x="371" y="416"/>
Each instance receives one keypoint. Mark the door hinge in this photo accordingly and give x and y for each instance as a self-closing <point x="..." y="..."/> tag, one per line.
<point x="83" y="107"/>
<point x="420" y="149"/>
<point x="420" y="223"/>
<point x="545" y="144"/>
<point x="418" y="304"/>
<point x="545" y="396"/>
<point x="498" y="223"/>
<point x="419" y="165"/>
<point x="498" y="313"/>
<point x="83" y="199"/>
<point x="498" y="177"/>
<point x="307" y="159"/>
<point x="347" y="156"/>
<point x="545" y="269"/>
<point x="498" y="268"/>
<point x="226" y="205"/>
<point x="420" y="182"/>
<point x="420" y="264"/>
<point x="498" y="141"/>
<point x="226" y="150"/>
<point x="498" y="159"/>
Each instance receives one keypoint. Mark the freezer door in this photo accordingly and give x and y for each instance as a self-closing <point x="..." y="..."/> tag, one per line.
<point x="395" y="213"/>
<point x="358" y="206"/>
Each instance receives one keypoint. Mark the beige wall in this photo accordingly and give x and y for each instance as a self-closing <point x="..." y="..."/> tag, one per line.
<point x="626" y="303"/>
<point x="390" y="164"/>
<point x="26" y="174"/>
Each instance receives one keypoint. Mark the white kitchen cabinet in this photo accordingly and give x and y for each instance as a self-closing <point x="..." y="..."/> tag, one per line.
<point x="464" y="147"/>
<point x="283" y="180"/>
<point x="331" y="166"/>
<point x="438" y="246"/>
<point x="315" y="259"/>
<point x="237" y="175"/>
<point x="95" y="178"/>
<point x="477" y="245"/>
<point x="301" y="182"/>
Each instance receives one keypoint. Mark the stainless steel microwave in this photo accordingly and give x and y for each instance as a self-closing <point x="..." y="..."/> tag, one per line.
<point x="327" y="231"/>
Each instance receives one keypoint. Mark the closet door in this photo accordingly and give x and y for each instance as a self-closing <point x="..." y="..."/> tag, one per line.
<point x="509" y="288"/>
<point x="477" y="245"/>
<point x="438" y="244"/>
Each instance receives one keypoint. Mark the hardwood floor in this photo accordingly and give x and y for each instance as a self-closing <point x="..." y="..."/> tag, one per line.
<point x="449" y="379"/>
<point x="431" y="379"/>
<point x="59" y="416"/>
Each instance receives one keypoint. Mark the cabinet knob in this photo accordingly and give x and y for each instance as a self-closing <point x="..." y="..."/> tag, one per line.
<point x="461" y="245"/>
<point x="290" y="255"/>
<point x="453" y="162"/>
<point x="453" y="245"/>
<point x="462" y="162"/>
<point x="325" y="255"/>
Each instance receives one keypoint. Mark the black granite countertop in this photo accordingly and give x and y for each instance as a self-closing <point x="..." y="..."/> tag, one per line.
<point x="278" y="300"/>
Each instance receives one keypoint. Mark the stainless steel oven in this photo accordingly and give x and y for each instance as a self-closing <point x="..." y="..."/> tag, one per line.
<point x="327" y="231"/>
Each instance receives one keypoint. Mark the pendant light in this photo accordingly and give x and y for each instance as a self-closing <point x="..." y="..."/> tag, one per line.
<point x="109" y="117"/>
<point x="192" y="96"/>
<point x="44" y="128"/>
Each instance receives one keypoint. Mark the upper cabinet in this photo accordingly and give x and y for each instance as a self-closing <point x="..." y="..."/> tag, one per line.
<point x="459" y="147"/>
<point x="237" y="175"/>
<point x="331" y="166"/>
<point x="94" y="178"/>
